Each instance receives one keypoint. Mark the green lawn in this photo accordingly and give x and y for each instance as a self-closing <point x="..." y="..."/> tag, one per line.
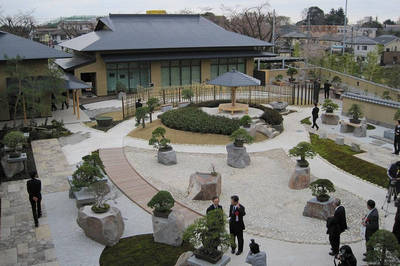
<point x="306" y="121"/>
<point x="343" y="157"/>
<point x="141" y="250"/>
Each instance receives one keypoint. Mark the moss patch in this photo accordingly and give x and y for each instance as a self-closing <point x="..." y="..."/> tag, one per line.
<point x="185" y="137"/>
<point x="370" y="127"/>
<point x="141" y="250"/>
<point x="343" y="157"/>
<point x="306" y="121"/>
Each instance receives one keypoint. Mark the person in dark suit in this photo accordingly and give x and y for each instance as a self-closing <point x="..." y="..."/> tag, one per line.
<point x="393" y="173"/>
<point x="327" y="88"/>
<point x="397" y="138"/>
<point x="336" y="225"/>
<point x="314" y="113"/>
<point x="215" y="205"/>
<point x="138" y="104"/>
<point x="396" y="226"/>
<point x="34" y="187"/>
<point x="370" y="221"/>
<point x="236" y="224"/>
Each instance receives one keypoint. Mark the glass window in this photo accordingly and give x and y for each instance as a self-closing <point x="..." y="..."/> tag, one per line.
<point x="185" y="75"/>
<point x="111" y="66"/>
<point x="123" y="77"/>
<point x="134" y="79"/>
<point x="241" y="68"/>
<point x="214" y="71"/>
<point x="111" y="80"/>
<point x="196" y="74"/>
<point x="165" y="81"/>
<point x="175" y="75"/>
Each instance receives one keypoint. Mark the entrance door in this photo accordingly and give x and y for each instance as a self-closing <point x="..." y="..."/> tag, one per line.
<point x="90" y="77"/>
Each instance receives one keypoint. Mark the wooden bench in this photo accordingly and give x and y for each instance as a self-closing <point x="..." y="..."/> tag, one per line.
<point x="238" y="107"/>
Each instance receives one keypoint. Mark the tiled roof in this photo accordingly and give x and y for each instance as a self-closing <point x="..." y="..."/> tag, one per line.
<point x="384" y="39"/>
<point x="370" y="99"/>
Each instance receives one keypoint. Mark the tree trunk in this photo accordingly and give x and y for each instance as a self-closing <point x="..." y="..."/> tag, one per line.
<point x="151" y="117"/>
<point x="24" y="109"/>
<point x="16" y="103"/>
<point x="143" y="123"/>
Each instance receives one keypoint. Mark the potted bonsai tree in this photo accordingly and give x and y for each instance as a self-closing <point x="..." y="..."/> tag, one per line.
<point x="162" y="204"/>
<point x="121" y="89"/>
<point x="166" y="155"/>
<point x="320" y="189"/>
<point x="14" y="141"/>
<point x="273" y="118"/>
<point x="100" y="189"/>
<point x="152" y="103"/>
<point x="291" y="72"/>
<point x="303" y="150"/>
<point x="278" y="80"/>
<point x="356" y="113"/>
<point x="187" y="94"/>
<point x="209" y="235"/>
<point x="383" y="249"/>
<point x="85" y="175"/>
<point x="329" y="117"/>
<point x="240" y="136"/>
<point x="245" y="123"/>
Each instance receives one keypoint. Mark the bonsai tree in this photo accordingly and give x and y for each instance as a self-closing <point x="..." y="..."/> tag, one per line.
<point x="85" y="175"/>
<point x="158" y="139"/>
<point x="213" y="170"/>
<point x="278" y="78"/>
<point x="245" y="121"/>
<point x="329" y="106"/>
<point x="120" y="87"/>
<point x="272" y="117"/>
<point x="94" y="159"/>
<point x="188" y="94"/>
<point x="356" y="112"/>
<point x="336" y="81"/>
<point x="209" y="235"/>
<point x="291" y="72"/>
<point x="383" y="249"/>
<point x="141" y="115"/>
<point x="12" y="140"/>
<point x="100" y="189"/>
<point x="303" y="150"/>
<point x="397" y="115"/>
<point x="240" y="136"/>
<point x="152" y="103"/>
<point x="320" y="189"/>
<point x="162" y="204"/>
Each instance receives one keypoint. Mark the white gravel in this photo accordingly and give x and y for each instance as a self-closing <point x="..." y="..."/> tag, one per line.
<point x="253" y="113"/>
<point x="273" y="210"/>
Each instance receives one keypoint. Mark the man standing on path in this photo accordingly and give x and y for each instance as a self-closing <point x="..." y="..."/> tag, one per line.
<point x="327" y="88"/>
<point x="34" y="187"/>
<point x="236" y="224"/>
<point x="370" y="222"/>
<point x="336" y="225"/>
<point x="397" y="138"/>
<point x="215" y="205"/>
<point x="315" y="112"/>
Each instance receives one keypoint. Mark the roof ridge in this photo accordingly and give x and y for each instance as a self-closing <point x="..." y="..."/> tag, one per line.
<point x="153" y="15"/>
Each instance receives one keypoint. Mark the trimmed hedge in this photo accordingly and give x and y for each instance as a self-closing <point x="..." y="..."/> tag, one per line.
<point x="342" y="157"/>
<point x="195" y="120"/>
<point x="272" y="117"/>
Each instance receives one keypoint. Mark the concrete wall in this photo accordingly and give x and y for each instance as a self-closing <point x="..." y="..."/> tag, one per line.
<point x="374" y="113"/>
<point x="393" y="46"/>
<point x="35" y="67"/>
<point x="99" y="67"/>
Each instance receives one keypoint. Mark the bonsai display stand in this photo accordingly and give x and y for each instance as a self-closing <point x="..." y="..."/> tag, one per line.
<point x="13" y="166"/>
<point x="83" y="196"/>
<point x="330" y="119"/>
<point x="238" y="107"/>
<point x="193" y="261"/>
<point x="300" y="178"/>
<point x="319" y="210"/>
<point x="204" y="186"/>
<point x="359" y="130"/>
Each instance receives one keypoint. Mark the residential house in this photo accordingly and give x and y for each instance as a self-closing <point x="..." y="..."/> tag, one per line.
<point x="144" y="50"/>
<point x="361" y="46"/>
<point x="391" y="49"/>
<point x="33" y="54"/>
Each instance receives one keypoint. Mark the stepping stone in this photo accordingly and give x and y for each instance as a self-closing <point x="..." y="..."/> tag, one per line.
<point x="339" y="140"/>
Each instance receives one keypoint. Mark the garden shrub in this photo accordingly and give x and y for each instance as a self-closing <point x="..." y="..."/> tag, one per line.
<point x="162" y="202"/>
<point x="272" y="117"/>
<point x="195" y="120"/>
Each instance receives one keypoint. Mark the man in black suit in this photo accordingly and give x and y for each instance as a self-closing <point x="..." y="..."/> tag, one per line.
<point x="34" y="187"/>
<point x="370" y="221"/>
<point x="314" y="113"/>
<point x="397" y="138"/>
<point x="236" y="224"/>
<point x="327" y="88"/>
<point x="138" y="104"/>
<point x="336" y="225"/>
<point x="215" y="205"/>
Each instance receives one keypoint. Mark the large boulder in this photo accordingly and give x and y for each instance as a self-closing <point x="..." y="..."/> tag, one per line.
<point x="204" y="186"/>
<point x="330" y="119"/>
<point x="267" y="131"/>
<point x="169" y="230"/>
<point x="104" y="228"/>
<point x="11" y="168"/>
<point x="167" y="157"/>
<point x="360" y="131"/>
<point x="279" y="106"/>
<point x="237" y="156"/>
<point x="300" y="178"/>
<point x="183" y="259"/>
<point x="252" y="131"/>
<point x="319" y="210"/>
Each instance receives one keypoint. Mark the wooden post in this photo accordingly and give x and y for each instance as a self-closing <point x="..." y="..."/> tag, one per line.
<point x="73" y="100"/>
<point x="77" y="103"/>
<point x="24" y="108"/>
<point x="233" y="96"/>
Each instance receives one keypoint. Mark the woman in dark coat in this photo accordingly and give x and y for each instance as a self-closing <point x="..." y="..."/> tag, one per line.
<point x="396" y="226"/>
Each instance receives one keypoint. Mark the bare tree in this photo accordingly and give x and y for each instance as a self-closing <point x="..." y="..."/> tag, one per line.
<point x="21" y="24"/>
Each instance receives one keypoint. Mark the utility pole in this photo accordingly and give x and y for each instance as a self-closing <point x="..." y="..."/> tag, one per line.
<point x="273" y="31"/>
<point x="345" y="23"/>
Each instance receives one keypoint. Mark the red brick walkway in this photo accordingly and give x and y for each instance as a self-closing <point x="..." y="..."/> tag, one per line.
<point x="133" y="185"/>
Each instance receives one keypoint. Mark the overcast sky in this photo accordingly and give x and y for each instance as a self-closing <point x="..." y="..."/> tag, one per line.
<point x="45" y="10"/>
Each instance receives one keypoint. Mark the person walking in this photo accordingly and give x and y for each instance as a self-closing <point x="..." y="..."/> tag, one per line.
<point x="236" y="224"/>
<point x="396" y="226"/>
<point x="336" y="225"/>
<point x="255" y="257"/>
<point x="34" y="188"/>
<point x="327" y="88"/>
<point x="397" y="138"/>
<point x="370" y="222"/>
<point x="215" y="204"/>
<point x="314" y="113"/>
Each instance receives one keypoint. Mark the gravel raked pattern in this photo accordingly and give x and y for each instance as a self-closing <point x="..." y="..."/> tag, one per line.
<point x="273" y="210"/>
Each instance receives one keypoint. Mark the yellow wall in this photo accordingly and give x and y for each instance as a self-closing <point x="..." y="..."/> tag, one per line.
<point x="156" y="73"/>
<point x="99" y="67"/>
<point x="205" y="70"/>
<point x="393" y="46"/>
<point x="250" y="66"/>
<point x="35" y="67"/>
<point x="374" y="113"/>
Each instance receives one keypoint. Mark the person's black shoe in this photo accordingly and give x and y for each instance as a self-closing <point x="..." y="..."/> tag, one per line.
<point x="36" y="224"/>
<point x="238" y="253"/>
<point x="233" y="251"/>
<point x="40" y="215"/>
<point x="333" y="253"/>
<point x="365" y="254"/>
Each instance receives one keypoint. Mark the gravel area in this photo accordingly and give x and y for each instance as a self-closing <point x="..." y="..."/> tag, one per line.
<point x="273" y="210"/>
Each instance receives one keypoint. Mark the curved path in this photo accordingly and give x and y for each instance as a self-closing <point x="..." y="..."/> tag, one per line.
<point x="133" y="185"/>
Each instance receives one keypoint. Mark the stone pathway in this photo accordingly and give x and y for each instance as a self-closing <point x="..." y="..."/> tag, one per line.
<point x="20" y="242"/>
<point x="133" y="185"/>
